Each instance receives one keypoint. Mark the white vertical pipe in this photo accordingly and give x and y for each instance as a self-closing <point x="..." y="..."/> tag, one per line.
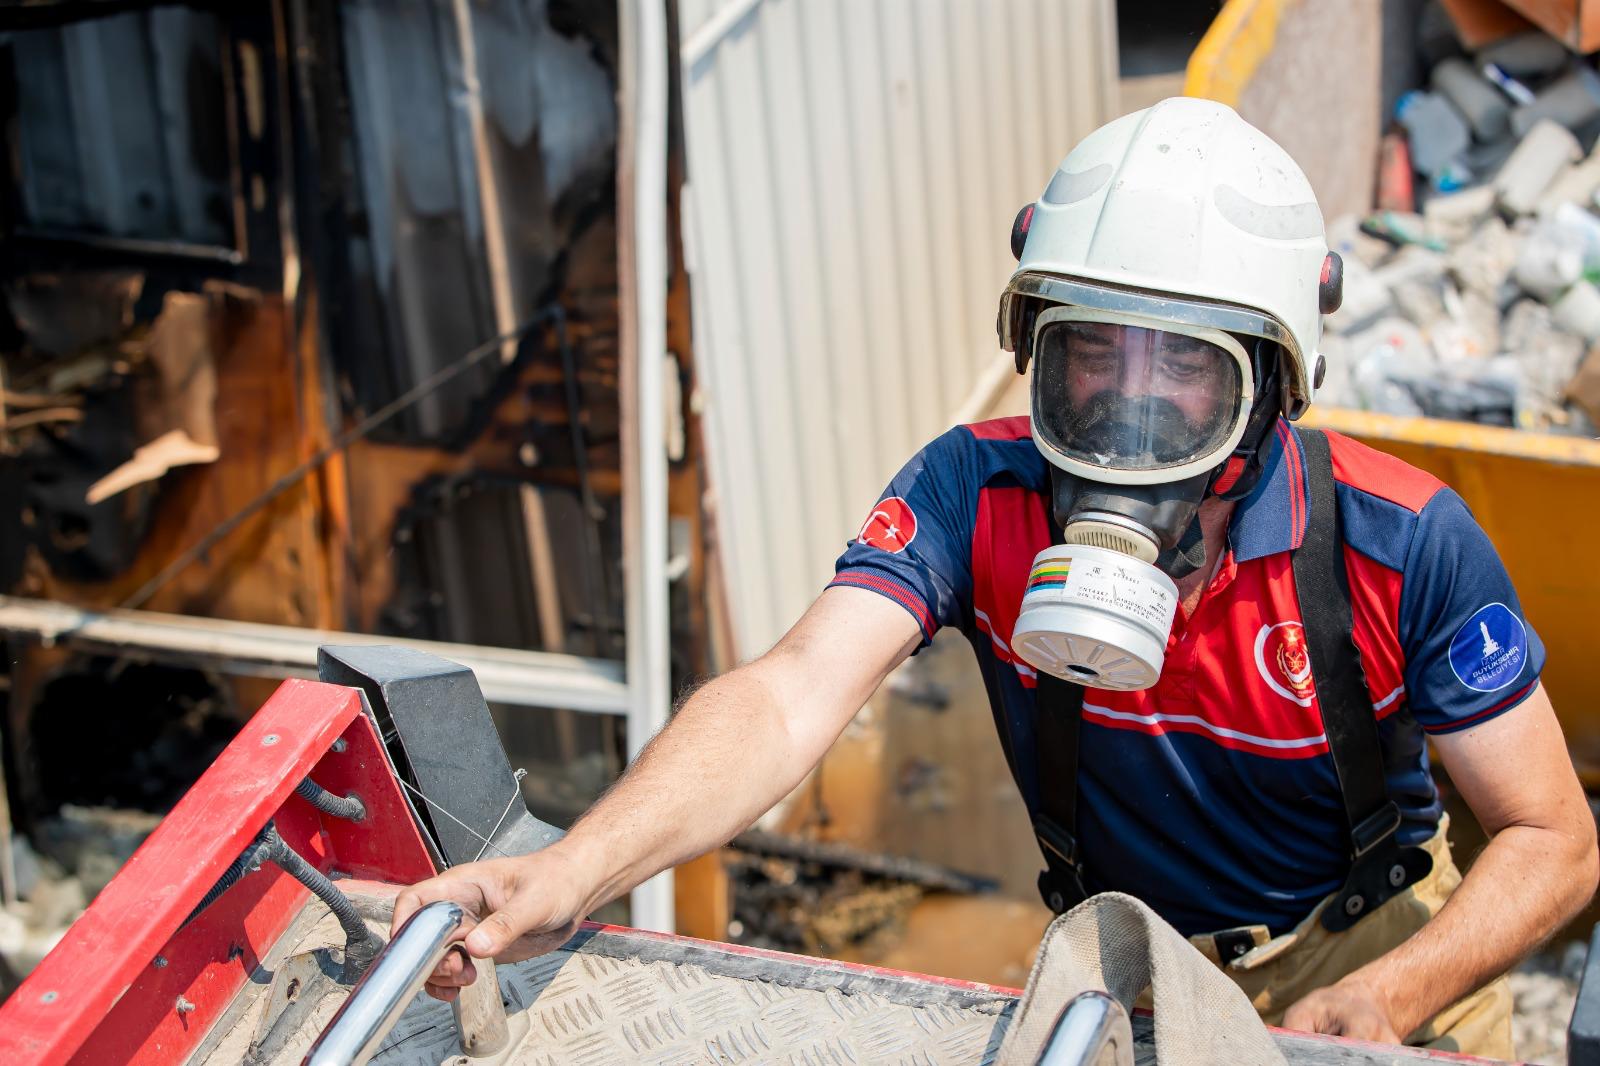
<point x="497" y="253"/>
<point x="642" y="293"/>
<point x="494" y="233"/>
<point x="498" y="256"/>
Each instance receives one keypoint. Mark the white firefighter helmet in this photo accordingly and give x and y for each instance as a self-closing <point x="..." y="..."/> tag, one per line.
<point x="1181" y="226"/>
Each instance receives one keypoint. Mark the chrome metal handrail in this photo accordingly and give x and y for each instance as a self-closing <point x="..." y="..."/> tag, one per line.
<point x="1092" y="1030"/>
<point x="387" y="988"/>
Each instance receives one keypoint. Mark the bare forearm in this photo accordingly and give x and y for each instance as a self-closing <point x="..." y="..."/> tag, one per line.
<point x="723" y="761"/>
<point x="741" y="743"/>
<point x="733" y="750"/>
<point x="1524" y="886"/>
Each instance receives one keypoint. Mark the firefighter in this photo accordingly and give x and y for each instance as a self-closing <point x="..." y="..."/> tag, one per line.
<point x="1217" y="646"/>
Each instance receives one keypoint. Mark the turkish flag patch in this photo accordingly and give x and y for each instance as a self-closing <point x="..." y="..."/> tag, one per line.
<point x="891" y="526"/>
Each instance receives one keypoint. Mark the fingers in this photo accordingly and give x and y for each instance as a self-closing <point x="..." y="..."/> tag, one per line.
<point x="496" y="933"/>
<point x="406" y="904"/>
<point x="1338" y="1013"/>
<point x="443" y="993"/>
<point x="1323" y="1011"/>
<point x="454" y="970"/>
<point x="505" y="918"/>
<point x="446" y="886"/>
<point x="521" y="911"/>
<point x="1303" y="1018"/>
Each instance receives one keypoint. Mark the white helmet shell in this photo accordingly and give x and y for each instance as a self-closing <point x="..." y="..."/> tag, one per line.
<point x="1188" y="200"/>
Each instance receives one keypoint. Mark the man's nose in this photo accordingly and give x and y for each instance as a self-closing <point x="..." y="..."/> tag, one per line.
<point x="1134" y="378"/>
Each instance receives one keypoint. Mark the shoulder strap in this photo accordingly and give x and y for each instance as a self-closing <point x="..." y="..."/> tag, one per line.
<point x="1323" y="585"/>
<point x="1058" y="715"/>
<point x="1379" y="866"/>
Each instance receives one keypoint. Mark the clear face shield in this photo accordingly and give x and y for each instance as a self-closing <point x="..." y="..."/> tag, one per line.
<point x="1135" y="413"/>
<point x="1131" y="401"/>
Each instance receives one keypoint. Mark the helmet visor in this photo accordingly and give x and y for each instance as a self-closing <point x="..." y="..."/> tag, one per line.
<point x="1026" y="287"/>
<point x="1115" y="395"/>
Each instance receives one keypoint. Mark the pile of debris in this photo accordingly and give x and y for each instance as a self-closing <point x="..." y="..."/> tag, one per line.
<point x="820" y="898"/>
<point x="1472" y="292"/>
<point x="53" y="875"/>
<point x="1544" y="989"/>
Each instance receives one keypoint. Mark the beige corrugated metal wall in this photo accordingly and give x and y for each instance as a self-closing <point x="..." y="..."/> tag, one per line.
<point x="854" y="167"/>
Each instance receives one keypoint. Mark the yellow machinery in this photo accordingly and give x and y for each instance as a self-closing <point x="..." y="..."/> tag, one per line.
<point x="1532" y="493"/>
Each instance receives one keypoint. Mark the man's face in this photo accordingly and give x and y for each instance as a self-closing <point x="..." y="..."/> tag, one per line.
<point x="1134" y="361"/>
<point x="1132" y="397"/>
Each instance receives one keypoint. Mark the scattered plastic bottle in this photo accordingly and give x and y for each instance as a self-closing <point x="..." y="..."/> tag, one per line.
<point x="1558" y="253"/>
<point x="1437" y="132"/>
<point x="1452" y="177"/>
<point x="1519" y="93"/>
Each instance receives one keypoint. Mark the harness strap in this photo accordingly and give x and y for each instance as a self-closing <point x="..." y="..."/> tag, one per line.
<point x="1057" y="721"/>
<point x="1380" y="867"/>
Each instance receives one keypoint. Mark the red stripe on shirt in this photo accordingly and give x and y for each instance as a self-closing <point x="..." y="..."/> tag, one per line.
<point x="1297" y="484"/>
<point x="1379" y="474"/>
<point x="1162" y="728"/>
<point x="901" y="594"/>
<point x="1473" y="719"/>
<point x="1013" y="427"/>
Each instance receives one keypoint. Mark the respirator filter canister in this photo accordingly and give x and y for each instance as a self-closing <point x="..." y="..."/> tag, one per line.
<point x="1134" y="413"/>
<point x="1095" y="617"/>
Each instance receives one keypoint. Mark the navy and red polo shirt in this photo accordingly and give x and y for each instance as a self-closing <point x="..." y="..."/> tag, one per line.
<point x="1212" y="795"/>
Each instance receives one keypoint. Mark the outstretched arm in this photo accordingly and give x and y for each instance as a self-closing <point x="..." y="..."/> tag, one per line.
<point x="736" y="747"/>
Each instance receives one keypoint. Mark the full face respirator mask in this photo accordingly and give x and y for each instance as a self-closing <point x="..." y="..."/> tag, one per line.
<point x="1170" y="285"/>
<point x="1141" y="420"/>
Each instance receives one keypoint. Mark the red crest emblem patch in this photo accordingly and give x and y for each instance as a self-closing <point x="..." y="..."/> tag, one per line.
<point x="890" y="527"/>
<point x="1285" y="662"/>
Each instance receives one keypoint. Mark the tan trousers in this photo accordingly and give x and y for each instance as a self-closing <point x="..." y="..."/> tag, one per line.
<point x="1281" y="970"/>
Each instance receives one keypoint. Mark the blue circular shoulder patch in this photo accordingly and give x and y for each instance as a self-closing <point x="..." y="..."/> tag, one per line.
<point x="1488" y="651"/>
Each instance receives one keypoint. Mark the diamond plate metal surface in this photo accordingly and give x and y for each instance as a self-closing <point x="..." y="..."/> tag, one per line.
<point x="612" y="999"/>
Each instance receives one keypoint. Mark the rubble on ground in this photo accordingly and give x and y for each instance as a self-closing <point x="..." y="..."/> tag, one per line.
<point x="1473" y="293"/>
<point x="794" y="894"/>
<point x="1543" y="990"/>
<point x="69" y="858"/>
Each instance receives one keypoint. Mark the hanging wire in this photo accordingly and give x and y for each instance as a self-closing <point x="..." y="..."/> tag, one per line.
<point x="516" y="793"/>
<point x="488" y="843"/>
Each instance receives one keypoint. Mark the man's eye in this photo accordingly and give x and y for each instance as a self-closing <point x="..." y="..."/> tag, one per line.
<point x="1182" y="371"/>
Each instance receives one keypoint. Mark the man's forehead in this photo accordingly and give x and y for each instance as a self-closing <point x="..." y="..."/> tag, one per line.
<point x="1123" y="333"/>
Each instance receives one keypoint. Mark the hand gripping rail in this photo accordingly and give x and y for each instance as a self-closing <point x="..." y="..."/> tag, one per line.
<point x="395" y="977"/>
<point x="1093" y="1030"/>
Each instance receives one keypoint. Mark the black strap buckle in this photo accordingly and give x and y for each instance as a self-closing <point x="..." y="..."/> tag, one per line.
<point x="1374" y="879"/>
<point x="1056" y="841"/>
<point x="1061" y="888"/>
<point x="1061" y="881"/>
<point x="1376" y="828"/>
<point x="1234" y="944"/>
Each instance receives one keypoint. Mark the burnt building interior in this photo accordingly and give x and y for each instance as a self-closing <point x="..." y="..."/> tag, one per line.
<point x="311" y="319"/>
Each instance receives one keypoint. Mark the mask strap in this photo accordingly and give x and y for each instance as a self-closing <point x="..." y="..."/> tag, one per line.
<point x="1237" y="477"/>
<point x="1188" y="555"/>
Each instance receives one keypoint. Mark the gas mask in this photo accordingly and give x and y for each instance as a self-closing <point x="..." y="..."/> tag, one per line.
<point x="1141" y="420"/>
<point x="1170" y="286"/>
